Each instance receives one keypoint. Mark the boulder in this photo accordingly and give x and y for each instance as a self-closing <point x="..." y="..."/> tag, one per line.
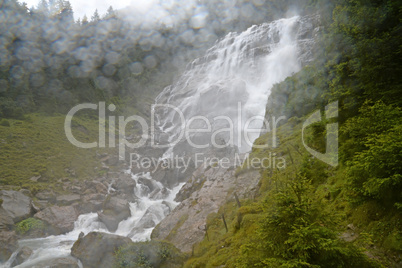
<point x="6" y="221"/>
<point x="8" y="244"/>
<point x="95" y="187"/>
<point x="49" y="196"/>
<point x="90" y="203"/>
<point x="22" y="255"/>
<point x="150" y="254"/>
<point x="159" y="194"/>
<point x="124" y="184"/>
<point x="114" y="211"/>
<point x="18" y="205"/>
<point x="146" y="186"/>
<point x="117" y="205"/>
<point x="96" y="250"/>
<point x="89" y="206"/>
<point x="39" y="205"/>
<point x="60" y="219"/>
<point x="64" y="200"/>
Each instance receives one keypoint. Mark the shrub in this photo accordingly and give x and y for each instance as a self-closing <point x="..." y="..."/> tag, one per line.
<point x="5" y="123"/>
<point x="29" y="225"/>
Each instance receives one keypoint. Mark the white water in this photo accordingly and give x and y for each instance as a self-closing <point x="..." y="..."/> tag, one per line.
<point x="53" y="247"/>
<point x="233" y="80"/>
<point x="241" y="68"/>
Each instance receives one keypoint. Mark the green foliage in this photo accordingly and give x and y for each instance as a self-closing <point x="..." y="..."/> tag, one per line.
<point x="373" y="119"/>
<point x="376" y="171"/>
<point x="39" y="147"/>
<point x="298" y="231"/>
<point x="372" y="144"/>
<point x="367" y="32"/>
<point x="296" y="219"/>
<point x="149" y="254"/>
<point x="9" y="109"/>
<point x="5" y="123"/>
<point x="29" y="225"/>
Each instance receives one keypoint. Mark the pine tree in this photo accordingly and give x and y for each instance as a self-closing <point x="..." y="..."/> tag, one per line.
<point x="95" y="17"/>
<point x="110" y="13"/>
<point x="66" y="12"/>
<point x="43" y="8"/>
<point x="84" y="20"/>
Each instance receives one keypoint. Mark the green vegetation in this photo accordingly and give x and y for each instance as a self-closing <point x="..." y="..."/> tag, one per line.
<point x="30" y="225"/>
<point x="39" y="148"/>
<point x="149" y="254"/>
<point x="5" y="123"/>
<point x="296" y="220"/>
<point x="310" y="214"/>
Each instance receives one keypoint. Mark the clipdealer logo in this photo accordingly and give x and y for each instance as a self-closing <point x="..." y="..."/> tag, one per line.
<point x="331" y="111"/>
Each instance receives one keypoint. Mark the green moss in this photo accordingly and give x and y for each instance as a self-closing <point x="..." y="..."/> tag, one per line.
<point x="29" y="225"/>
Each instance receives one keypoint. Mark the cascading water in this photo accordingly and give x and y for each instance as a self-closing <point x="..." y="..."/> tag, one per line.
<point x="148" y="207"/>
<point x="231" y="83"/>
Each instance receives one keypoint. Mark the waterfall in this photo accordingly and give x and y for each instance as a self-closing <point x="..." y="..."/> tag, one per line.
<point x="231" y="83"/>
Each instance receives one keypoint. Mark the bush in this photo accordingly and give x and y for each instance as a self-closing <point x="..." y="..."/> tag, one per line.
<point x="29" y="225"/>
<point x="5" y="123"/>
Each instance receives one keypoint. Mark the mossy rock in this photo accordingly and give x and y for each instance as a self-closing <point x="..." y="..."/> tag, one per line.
<point x="149" y="254"/>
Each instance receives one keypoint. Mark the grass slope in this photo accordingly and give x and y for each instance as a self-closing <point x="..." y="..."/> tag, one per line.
<point x="38" y="146"/>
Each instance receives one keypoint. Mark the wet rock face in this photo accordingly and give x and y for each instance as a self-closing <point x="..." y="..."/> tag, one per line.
<point x="96" y="250"/>
<point x="18" y="205"/>
<point x="114" y="211"/>
<point x="60" y="219"/>
<point x="208" y="190"/>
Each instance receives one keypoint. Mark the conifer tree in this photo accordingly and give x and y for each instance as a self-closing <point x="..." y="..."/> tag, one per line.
<point x="95" y="17"/>
<point x="84" y="20"/>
